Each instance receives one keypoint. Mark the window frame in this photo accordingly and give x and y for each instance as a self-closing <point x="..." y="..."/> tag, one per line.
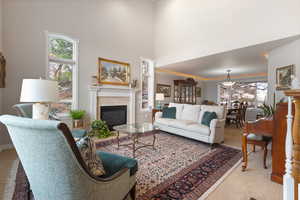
<point x="74" y="63"/>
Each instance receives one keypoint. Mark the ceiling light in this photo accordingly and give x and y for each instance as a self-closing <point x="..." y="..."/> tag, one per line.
<point x="228" y="82"/>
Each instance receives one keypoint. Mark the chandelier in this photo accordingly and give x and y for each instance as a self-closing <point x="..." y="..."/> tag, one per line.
<point x="228" y="82"/>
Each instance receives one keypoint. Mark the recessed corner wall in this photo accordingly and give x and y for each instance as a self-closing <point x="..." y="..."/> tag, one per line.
<point x="191" y="29"/>
<point x="288" y="54"/>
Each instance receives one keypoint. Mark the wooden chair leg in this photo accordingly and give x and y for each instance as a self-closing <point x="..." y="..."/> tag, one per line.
<point x="265" y="157"/>
<point x="245" y="153"/>
<point x="132" y="192"/>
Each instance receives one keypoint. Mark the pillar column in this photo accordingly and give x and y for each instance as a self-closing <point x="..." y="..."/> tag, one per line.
<point x="296" y="140"/>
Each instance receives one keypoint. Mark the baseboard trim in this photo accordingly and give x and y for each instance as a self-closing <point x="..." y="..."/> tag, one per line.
<point x="6" y="147"/>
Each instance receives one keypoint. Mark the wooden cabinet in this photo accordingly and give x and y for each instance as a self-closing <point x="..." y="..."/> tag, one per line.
<point x="185" y="91"/>
<point x="278" y="143"/>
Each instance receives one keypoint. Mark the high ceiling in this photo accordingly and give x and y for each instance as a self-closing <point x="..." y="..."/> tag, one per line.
<point x="249" y="60"/>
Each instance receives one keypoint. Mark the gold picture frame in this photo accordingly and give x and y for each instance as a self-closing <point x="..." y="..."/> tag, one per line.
<point x="165" y="89"/>
<point x="112" y="72"/>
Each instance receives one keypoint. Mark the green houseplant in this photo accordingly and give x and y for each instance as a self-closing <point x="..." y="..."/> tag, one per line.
<point x="77" y="116"/>
<point x="100" y="129"/>
<point x="268" y="110"/>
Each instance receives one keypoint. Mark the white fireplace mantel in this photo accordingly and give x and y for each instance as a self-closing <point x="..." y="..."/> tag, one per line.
<point x="115" y="92"/>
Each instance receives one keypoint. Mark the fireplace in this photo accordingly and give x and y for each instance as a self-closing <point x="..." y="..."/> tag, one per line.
<point x="113" y="115"/>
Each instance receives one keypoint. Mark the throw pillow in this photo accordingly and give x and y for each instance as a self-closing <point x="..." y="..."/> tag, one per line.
<point x="169" y="112"/>
<point x="87" y="150"/>
<point x="207" y="117"/>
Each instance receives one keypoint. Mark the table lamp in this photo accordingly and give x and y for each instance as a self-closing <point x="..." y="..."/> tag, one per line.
<point x="40" y="92"/>
<point x="159" y="97"/>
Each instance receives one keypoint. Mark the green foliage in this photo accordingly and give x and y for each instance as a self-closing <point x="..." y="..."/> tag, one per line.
<point x="77" y="114"/>
<point x="268" y="110"/>
<point x="100" y="129"/>
<point x="61" y="48"/>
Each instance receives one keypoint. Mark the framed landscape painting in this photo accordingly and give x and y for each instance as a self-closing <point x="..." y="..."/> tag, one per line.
<point x="283" y="77"/>
<point x="113" y="72"/>
<point x="165" y="89"/>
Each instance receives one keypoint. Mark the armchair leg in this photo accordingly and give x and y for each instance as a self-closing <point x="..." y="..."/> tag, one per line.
<point x="265" y="157"/>
<point x="245" y="153"/>
<point x="132" y="192"/>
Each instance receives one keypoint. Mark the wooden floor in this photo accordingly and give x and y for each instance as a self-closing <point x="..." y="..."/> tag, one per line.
<point x="254" y="183"/>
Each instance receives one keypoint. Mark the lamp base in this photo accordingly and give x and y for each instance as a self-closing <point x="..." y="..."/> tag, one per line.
<point x="40" y="111"/>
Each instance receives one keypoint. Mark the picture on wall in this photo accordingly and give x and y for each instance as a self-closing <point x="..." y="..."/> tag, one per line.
<point x="113" y="72"/>
<point x="283" y="77"/>
<point x="165" y="89"/>
<point x="198" y="91"/>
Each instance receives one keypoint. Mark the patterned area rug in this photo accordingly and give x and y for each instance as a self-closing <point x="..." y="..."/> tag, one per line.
<point x="178" y="168"/>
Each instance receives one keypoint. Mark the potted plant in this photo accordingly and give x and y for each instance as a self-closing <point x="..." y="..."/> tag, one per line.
<point x="99" y="129"/>
<point x="268" y="110"/>
<point x="77" y="117"/>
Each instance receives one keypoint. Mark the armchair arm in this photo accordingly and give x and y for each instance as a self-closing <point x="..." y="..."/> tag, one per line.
<point x="217" y="123"/>
<point x="217" y="130"/>
<point x="158" y="115"/>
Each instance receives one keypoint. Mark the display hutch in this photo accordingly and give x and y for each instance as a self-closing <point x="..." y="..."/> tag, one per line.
<point x="185" y="91"/>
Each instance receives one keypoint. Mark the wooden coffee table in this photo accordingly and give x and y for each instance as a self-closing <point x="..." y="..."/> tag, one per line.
<point x="134" y="131"/>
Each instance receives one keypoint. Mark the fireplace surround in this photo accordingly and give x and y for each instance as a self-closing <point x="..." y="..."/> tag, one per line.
<point x="109" y="95"/>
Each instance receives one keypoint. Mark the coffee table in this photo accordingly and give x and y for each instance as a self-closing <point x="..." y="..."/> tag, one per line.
<point x="134" y="131"/>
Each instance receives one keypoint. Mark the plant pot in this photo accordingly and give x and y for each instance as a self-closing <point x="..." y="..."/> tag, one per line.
<point x="77" y="123"/>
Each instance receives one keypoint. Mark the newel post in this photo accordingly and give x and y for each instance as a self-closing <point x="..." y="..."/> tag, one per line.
<point x="296" y="140"/>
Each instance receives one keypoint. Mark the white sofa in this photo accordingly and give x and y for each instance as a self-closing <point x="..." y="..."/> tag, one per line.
<point x="188" y="122"/>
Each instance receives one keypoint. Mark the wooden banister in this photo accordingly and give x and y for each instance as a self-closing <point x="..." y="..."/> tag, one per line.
<point x="296" y="140"/>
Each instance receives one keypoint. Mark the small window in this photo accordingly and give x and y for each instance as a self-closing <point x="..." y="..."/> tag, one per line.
<point x="62" y="67"/>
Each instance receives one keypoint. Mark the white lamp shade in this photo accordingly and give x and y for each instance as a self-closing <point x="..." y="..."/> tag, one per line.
<point x="39" y="90"/>
<point x="160" y="97"/>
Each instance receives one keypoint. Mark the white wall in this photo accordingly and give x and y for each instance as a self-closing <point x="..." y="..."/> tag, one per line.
<point x="115" y="29"/>
<point x="286" y="55"/>
<point x="190" y="29"/>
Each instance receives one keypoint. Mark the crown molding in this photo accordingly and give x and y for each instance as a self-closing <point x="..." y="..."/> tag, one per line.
<point x="219" y="78"/>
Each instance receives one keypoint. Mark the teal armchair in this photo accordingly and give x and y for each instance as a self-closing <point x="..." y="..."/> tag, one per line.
<point x="55" y="168"/>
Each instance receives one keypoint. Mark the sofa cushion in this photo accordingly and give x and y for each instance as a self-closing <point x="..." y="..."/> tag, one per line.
<point x="169" y="112"/>
<point x="165" y="121"/>
<point x="176" y="123"/>
<point x="198" y="128"/>
<point x="207" y="117"/>
<point x="87" y="150"/>
<point x="179" y="108"/>
<point x="181" y="123"/>
<point x="219" y="110"/>
<point x="190" y="112"/>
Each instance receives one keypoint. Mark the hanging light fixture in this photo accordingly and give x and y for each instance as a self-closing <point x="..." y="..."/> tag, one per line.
<point x="228" y="82"/>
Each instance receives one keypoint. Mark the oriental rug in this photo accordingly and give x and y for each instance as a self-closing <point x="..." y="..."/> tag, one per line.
<point x="178" y="168"/>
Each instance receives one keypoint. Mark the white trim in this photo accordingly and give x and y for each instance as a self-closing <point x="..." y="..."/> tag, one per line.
<point x="74" y="63"/>
<point x="61" y="60"/>
<point x="115" y="92"/>
<point x="151" y="84"/>
<point x="6" y="147"/>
